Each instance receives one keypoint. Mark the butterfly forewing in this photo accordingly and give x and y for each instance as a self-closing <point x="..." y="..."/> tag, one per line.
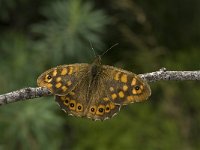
<point x="62" y="79"/>
<point x="124" y="87"/>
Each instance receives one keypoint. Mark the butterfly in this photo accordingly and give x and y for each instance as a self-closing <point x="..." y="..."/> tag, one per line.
<point x="93" y="90"/>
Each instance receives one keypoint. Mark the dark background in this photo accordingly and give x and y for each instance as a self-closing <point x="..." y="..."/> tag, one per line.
<point x="36" y="35"/>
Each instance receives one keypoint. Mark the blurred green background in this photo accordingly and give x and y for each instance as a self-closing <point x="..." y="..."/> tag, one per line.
<point x="36" y="35"/>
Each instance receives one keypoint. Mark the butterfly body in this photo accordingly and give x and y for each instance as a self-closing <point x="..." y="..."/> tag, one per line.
<point x="93" y="90"/>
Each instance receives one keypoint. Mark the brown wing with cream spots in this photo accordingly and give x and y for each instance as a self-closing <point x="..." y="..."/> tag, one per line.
<point x="124" y="87"/>
<point x="62" y="79"/>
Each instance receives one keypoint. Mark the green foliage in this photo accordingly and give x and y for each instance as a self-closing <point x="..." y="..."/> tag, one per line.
<point x="36" y="35"/>
<point x="69" y="29"/>
<point x="30" y="126"/>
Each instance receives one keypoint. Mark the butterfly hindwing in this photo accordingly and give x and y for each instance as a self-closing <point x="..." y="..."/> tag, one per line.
<point x="100" y="107"/>
<point x="101" y="110"/>
<point x="75" y="102"/>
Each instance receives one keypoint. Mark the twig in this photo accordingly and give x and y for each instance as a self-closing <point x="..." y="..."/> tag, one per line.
<point x="162" y="74"/>
<point x="23" y="94"/>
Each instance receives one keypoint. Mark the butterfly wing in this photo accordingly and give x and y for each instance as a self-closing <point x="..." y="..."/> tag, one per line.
<point x="62" y="79"/>
<point x="124" y="87"/>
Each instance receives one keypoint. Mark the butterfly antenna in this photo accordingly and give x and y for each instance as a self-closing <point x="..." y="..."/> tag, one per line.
<point x="93" y="49"/>
<point x="109" y="49"/>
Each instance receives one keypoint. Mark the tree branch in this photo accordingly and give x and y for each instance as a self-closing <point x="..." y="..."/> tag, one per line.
<point x="162" y="74"/>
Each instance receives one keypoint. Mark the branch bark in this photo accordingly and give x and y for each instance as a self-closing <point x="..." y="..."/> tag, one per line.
<point x="23" y="94"/>
<point x="162" y="74"/>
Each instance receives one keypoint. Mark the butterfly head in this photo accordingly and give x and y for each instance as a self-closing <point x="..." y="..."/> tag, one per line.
<point x="97" y="60"/>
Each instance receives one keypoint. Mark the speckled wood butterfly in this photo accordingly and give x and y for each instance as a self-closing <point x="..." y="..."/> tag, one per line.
<point x="93" y="90"/>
